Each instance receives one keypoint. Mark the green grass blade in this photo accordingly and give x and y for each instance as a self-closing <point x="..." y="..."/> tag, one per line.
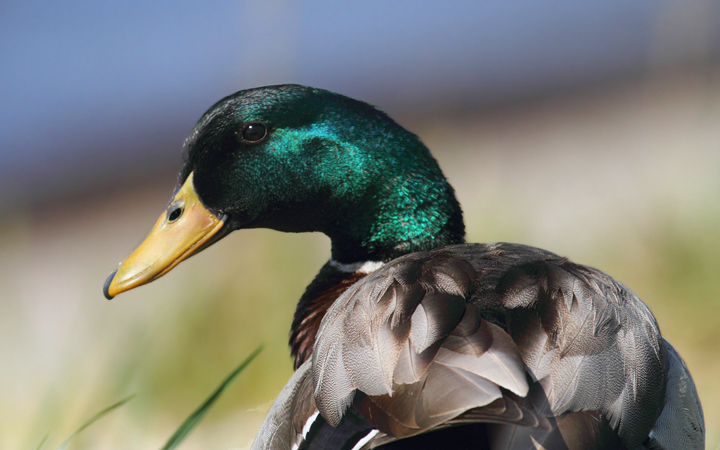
<point x="93" y="419"/>
<point x="198" y="414"/>
<point x="42" y="442"/>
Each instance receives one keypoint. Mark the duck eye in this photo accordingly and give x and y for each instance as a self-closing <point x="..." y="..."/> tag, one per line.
<point x="254" y="132"/>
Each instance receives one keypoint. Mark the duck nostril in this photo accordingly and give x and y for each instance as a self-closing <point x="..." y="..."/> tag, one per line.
<point x="174" y="214"/>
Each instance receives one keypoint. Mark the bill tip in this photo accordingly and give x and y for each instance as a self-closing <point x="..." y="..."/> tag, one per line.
<point x="106" y="286"/>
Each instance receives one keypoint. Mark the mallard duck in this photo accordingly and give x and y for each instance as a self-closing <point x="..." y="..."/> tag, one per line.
<point x="409" y="337"/>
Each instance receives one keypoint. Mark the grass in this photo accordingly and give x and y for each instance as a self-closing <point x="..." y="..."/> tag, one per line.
<point x="191" y="422"/>
<point x="185" y="428"/>
<point x="90" y="421"/>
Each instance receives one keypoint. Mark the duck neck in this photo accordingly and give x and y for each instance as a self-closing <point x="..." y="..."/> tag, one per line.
<point x="419" y="213"/>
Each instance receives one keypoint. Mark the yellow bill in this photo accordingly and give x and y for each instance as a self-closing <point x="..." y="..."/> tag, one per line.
<point x="185" y="228"/>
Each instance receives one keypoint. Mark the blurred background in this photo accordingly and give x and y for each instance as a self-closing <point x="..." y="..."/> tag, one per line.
<point x="591" y="129"/>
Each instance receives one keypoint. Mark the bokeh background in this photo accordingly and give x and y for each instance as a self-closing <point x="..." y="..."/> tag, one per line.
<point x="588" y="128"/>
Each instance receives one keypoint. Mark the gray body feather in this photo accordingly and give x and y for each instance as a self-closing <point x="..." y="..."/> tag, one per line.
<point x="547" y="353"/>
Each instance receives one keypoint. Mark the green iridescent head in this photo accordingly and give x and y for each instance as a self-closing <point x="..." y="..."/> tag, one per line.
<point x="295" y="158"/>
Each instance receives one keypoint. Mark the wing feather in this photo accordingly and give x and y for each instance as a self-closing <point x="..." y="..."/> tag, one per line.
<point x="591" y="344"/>
<point x="548" y="353"/>
<point x="416" y="349"/>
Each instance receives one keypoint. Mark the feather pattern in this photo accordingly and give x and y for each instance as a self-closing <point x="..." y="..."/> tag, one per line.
<point x="542" y="352"/>
<point x="407" y="331"/>
<point x="681" y="423"/>
<point x="569" y="431"/>
<point x="602" y="353"/>
<point x="285" y="422"/>
<point x="293" y="422"/>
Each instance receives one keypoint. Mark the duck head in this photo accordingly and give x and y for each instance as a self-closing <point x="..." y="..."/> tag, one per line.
<point x="295" y="158"/>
